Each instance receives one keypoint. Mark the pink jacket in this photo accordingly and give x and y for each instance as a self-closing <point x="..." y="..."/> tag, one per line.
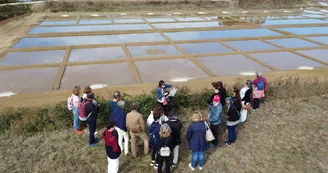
<point x="73" y="101"/>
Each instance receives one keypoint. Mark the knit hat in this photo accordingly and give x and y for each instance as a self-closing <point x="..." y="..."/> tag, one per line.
<point x="216" y="98"/>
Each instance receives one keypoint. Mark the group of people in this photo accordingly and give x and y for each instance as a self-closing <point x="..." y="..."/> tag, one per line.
<point x="163" y="137"/>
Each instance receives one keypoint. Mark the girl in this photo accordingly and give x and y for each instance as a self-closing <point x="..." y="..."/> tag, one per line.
<point x="72" y="104"/>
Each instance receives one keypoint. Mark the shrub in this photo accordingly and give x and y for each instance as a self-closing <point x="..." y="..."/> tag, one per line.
<point x="9" y="11"/>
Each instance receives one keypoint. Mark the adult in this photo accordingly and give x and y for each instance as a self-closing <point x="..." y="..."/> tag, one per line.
<point x="246" y="99"/>
<point x="136" y="126"/>
<point x="260" y="87"/>
<point x="214" y="118"/>
<point x="196" y="137"/>
<point x="119" y="117"/>
<point x="157" y="110"/>
<point x="176" y="127"/>
<point x="113" y="150"/>
<point x="88" y="90"/>
<point x="113" y="103"/>
<point x="153" y="134"/>
<point x="235" y="93"/>
<point x="91" y="111"/>
<point x="233" y="117"/>
<point x="218" y="90"/>
<point x="162" y="91"/>
<point x="164" y="148"/>
<point x="72" y="105"/>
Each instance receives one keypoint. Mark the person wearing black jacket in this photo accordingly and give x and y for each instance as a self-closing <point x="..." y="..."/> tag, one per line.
<point x="165" y="141"/>
<point x="233" y="117"/>
<point x="175" y="126"/>
<point x="91" y="111"/>
<point x="218" y="90"/>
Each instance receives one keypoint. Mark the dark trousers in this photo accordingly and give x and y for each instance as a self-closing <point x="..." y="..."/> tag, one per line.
<point x="232" y="133"/>
<point x="167" y="163"/>
<point x="153" y="154"/>
<point x="256" y="103"/>
<point x="166" y="108"/>
<point x="92" y="123"/>
<point x="215" y="131"/>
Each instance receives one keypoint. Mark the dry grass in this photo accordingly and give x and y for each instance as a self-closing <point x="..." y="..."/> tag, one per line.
<point x="286" y="135"/>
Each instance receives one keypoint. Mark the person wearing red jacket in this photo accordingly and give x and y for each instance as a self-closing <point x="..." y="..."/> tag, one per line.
<point x="113" y="150"/>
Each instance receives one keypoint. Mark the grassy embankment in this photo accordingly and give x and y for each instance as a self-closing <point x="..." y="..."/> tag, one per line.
<point x="288" y="134"/>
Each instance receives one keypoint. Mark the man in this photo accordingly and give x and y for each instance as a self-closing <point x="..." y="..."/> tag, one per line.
<point x="113" y="150"/>
<point x="136" y="126"/>
<point x="175" y="126"/>
<point x="91" y="111"/>
<point x="113" y="103"/>
<point x="260" y="84"/>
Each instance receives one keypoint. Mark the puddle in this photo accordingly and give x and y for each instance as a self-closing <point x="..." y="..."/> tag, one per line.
<point x="248" y="73"/>
<point x="205" y="35"/>
<point x="231" y="65"/>
<point x="96" y="54"/>
<point x="290" y="61"/>
<point x="294" y="17"/>
<point x="323" y="3"/>
<point x="180" y="79"/>
<point x="314" y="15"/>
<point x="92" y="28"/>
<point x="154" y="50"/>
<point x="320" y="54"/>
<point x="203" y="48"/>
<point x="291" y="21"/>
<point x="189" y="19"/>
<point x="312" y="12"/>
<point x="106" y="74"/>
<point x="59" y="22"/>
<point x="151" y="71"/>
<point x="91" y="22"/>
<point x="304" y="68"/>
<point x="306" y="30"/>
<point x="28" y="80"/>
<point x="250" y="45"/>
<point x="154" y="20"/>
<point x="87" y="40"/>
<point x="128" y="21"/>
<point x="30" y="58"/>
<point x="98" y="86"/>
<point x="292" y="43"/>
<point x="322" y="39"/>
<point x="187" y="25"/>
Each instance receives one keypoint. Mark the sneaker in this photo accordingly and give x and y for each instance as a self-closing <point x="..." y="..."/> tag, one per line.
<point x="92" y="145"/>
<point x="200" y="168"/>
<point x="152" y="163"/>
<point x="253" y="110"/>
<point x="156" y="166"/>
<point x="78" y="132"/>
<point x="191" y="167"/>
<point x="228" y="143"/>
<point x="174" y="165"/>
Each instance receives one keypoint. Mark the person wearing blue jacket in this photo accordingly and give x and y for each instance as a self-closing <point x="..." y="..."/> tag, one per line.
<point x="161" y="92"/>
<point x="153" y="134"/>
<point x="214" y="118"/>
<point x="119" y="117"/>
<point x="196" y="137"/>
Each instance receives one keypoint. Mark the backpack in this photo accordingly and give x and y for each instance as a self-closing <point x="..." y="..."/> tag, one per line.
<point x="81" y="111"/>
<point x="70" y="103"/>
<point x="154" y="137"/>
<point x="165" y="150"/>
<point x="260" y="85"/>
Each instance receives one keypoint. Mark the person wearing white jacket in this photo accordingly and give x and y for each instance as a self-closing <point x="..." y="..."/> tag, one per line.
<point x="162" y="119"/>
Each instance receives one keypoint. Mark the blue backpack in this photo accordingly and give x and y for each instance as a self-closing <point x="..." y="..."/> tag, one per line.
<point x="260" y="85"/>
<point x="154" y="137"/>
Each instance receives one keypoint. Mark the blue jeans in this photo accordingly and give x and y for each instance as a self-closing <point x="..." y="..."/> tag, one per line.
<point x="232" y="134"/>
<point x="199" y="155"/>
<point x="76" y="119"/>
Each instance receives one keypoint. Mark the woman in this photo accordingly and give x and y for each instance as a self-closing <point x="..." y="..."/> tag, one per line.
<point x="119" y="117"/>
<point x="218" y="90"/>
<point x="235" y="93"/>
<point x="157" y="110"/>
<point x="214" y="118"/>
<point x="88" y="90"/>
<point x="164" y="148"/>
<point x="233" y="117"/>
<point x="246" y="98"/>
<point x="162" y="91"/>
<point x="196" y="137"/>
<point x="72" y="104"/>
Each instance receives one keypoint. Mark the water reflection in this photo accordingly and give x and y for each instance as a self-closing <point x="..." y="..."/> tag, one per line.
<point x="292" y="43"/>
<point x="187" y="25"/>
<point x="203" y="48"/>
<point x="96" y="54"/>
<point x="155" y="50"/>
<point x="306" y="30"/>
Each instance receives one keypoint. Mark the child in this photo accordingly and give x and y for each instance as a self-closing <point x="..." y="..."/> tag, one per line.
<point x="113" y="150"/>
<point x="72" y="104"/>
